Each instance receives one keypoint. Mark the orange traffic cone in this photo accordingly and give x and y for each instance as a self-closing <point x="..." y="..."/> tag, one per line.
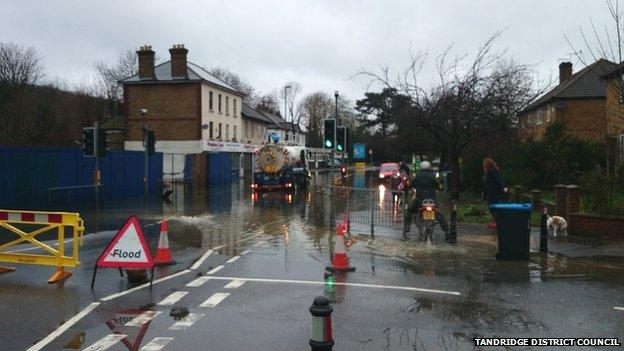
<point x="163" y="254"/>
<point x="341" y="261"/>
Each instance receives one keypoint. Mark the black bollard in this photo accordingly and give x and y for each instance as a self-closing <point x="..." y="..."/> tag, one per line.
<point x="321" y="336"/>
<point x="544" y="229"/>
<point x="452" y="236"/>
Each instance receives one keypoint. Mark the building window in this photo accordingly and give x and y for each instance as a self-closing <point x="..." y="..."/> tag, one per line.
<point x="227" y="132"/>
<point x="220" y="103"/>
<point x="227" y="105"/>
<point x="234" y="132"/>
<point x="540" y="115"/>
<point x="235" y="107"/>
<point x="220" y="130"/>
<point x="286" y="138"/>
<point x="210" y="133"/>
<point x="210" y="100"/>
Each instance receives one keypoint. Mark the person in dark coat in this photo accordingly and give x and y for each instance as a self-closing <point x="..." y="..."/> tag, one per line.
<point x="494" y="189"/>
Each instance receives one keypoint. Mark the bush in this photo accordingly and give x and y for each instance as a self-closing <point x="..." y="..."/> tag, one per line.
<point x="602" y="194"/>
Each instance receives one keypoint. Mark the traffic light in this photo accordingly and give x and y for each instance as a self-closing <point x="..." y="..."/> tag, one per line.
<point x="88" y="141"/>
<point x="151" y="142"/>
<point x="341" y="138"/>
<point x="102" y="143"/>
<point x="329" y="133"/>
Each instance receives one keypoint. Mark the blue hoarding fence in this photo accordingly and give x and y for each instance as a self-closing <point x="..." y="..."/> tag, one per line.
<point x="28" y="174"/>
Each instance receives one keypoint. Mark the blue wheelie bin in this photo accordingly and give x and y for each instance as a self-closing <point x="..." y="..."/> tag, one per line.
<point x="513" y="222"/>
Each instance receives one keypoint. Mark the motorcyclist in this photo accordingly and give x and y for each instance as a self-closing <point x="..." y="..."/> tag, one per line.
<point x="425" y="185"/>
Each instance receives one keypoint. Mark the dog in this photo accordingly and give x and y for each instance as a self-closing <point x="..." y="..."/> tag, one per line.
<point x="556" y="223"/>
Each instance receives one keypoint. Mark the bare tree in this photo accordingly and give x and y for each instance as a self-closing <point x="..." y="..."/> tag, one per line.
<point x="20" y="65"/>
<point x="473" y="100"/>
<point x="251" y="98"/>
<point x="313" y="109"/>
<point x="607" y="45"/>
<point x="287" y="97"/>
<point x="108" y="76"/>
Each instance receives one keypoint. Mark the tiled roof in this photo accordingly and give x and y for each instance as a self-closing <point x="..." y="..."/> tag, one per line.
<point x="255" y="114"/>
<point x="586" y="83"/>
<point x="194" y="72"/>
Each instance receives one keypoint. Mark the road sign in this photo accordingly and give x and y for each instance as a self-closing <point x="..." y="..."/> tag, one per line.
<point x="128" y="249"/>
<point x="359" y="151"/>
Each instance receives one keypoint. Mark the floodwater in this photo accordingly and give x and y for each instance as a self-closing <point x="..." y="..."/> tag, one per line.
<point x="287" y="237"/>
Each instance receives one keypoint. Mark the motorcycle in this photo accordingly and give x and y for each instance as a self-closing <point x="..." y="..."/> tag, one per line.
<point x="427" y="219"/>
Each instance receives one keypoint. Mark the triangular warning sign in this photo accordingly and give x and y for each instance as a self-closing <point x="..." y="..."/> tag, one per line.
<point x="128" y="249"/>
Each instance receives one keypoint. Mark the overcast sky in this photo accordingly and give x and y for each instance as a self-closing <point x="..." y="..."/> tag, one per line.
<point x="317" y="43"/>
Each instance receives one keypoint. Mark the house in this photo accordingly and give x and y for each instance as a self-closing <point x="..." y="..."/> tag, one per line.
<point x="289" y="133"/>
<point x="255" y="126"/>
<point x="192" y="112"/>
<point x="579" y="101"/>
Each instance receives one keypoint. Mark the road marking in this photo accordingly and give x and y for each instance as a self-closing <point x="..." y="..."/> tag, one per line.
<point x="214" y="300"/>
<point x="245" y="252"/>
<point x="216" y="269"/>
<point x="60" y="330"/>
<point x="235" y="284"/>
<point x="198" y="282"/>
<point x="312" y="282"/>
<point x="142" y="318"/>
<point x="156" y="344"/>
<point x="233" y="259"/>
<point x="142" y="286"/>
<point x="106" y="342"/>
<point x="618" y="308"/>
<point x="173" y="298"/>
<point x="186" y="321"/>
<point x="201" y="259"/>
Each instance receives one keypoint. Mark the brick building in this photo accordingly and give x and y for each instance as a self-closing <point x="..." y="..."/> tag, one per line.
<point x="579" y="101"/>
<point x="197" y="117"/>
<point x="615" y="110"/>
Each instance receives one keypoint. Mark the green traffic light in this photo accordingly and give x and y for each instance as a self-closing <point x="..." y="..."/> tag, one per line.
<point x="339" y="147"/>
<point x="328" y="143"/>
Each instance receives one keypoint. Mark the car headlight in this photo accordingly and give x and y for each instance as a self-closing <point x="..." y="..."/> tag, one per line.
<point x="381" y="175"/>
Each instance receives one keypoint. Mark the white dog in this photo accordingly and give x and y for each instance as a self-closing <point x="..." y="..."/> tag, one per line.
<point x="557" y="223"/>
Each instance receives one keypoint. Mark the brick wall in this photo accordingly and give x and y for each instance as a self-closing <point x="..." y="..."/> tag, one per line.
<point x="589" y="225"/>
<point x="174" y="110"/>
<point x="585" y="118"/>
<point x="615" y="109"/>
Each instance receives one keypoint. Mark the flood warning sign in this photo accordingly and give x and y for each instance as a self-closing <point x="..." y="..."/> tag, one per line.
<point x="128" y="249"/>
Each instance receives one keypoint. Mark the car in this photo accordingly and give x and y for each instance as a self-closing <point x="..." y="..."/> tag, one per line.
<point x="389" y="171"/>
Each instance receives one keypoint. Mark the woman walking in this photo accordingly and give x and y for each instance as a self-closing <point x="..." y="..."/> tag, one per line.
<point x="494" y="189"/>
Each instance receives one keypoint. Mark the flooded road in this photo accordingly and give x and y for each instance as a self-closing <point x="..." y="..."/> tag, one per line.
<point x="249" y="267"/>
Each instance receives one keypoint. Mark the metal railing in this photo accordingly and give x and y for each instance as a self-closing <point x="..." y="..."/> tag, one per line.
<point x="374" y="207"/>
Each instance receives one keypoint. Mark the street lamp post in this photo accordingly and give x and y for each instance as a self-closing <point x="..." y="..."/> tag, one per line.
<point x="286" y="88"/>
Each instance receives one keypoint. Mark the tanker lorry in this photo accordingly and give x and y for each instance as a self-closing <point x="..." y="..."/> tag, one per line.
<point x="280" y="167"/>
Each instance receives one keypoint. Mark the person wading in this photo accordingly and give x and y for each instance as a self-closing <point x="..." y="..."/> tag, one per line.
<point x="494" y="189"/>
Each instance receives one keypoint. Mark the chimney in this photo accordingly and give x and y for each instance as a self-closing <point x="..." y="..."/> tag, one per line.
<point x="565" y="71"/>
<point x="178" y="61"/>
<point x="146" y="63"/>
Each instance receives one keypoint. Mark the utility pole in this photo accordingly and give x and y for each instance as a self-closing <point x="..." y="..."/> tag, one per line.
<point x="96" y="170"/>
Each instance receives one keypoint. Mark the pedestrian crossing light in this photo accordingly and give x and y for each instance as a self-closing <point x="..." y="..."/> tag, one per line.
<point x="329" y="133"/>
<point x="151" y="142"/>
<point x="88" y="141"/>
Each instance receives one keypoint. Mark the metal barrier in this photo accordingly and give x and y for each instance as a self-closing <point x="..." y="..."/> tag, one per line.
<point x="376" y="207"/>
<point x="70" y="196"/>
<point x="17" y="221"/>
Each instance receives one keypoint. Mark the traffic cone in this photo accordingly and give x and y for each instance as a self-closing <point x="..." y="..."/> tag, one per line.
<point x="341" y="261"/>
<point x="163" y="254"/>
